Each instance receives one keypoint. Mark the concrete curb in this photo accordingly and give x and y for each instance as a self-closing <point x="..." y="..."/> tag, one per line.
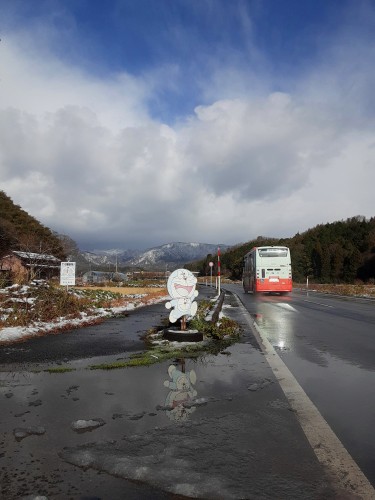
<point x="218" y="307"/>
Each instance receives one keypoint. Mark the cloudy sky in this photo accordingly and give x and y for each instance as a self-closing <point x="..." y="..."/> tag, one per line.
<point x="133" y="123"/>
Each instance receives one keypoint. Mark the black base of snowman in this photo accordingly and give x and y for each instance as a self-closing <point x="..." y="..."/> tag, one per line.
<point x="175" y="335"/>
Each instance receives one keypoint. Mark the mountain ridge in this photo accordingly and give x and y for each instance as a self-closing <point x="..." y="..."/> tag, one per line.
<point x="168" y="254"/>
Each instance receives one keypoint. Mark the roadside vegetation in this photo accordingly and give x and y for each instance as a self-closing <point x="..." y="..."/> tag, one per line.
<point x="345" y="289"/>
<point x="42" y="302"/>
<point x="223" y="329"/>
<point x="217" y="336"/>
<point x="51" y="308"/>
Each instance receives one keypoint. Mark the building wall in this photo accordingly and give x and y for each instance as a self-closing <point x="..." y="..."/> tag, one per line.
<point x="18" y="272"/>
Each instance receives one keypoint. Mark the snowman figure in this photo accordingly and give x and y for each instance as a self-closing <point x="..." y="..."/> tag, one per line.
<point x="181" y="287"/>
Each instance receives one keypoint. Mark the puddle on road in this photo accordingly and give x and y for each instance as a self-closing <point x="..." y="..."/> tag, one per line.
<point x="187" y="427"/>
<point x="125" y="401"/>
<point x="62" y="397"/>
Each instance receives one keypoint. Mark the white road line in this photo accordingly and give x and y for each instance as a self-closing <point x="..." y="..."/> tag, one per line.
<point x="317" y="303"/>
<point x="347" y="477"/>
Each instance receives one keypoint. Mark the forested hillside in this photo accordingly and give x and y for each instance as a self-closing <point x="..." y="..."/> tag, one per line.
<point x="21" y="231"/>
<point x="339" y="252"/>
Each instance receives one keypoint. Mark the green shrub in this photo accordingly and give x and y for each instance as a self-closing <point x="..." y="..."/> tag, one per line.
<point x="225" y="327"/>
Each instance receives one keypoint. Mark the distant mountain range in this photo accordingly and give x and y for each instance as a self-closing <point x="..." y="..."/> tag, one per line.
<point x="169" y="255"/>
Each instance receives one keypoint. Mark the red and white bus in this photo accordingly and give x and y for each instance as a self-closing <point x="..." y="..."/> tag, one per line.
<point x="267" y="269"/>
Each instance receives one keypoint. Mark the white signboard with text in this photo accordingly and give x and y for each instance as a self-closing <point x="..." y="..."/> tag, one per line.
<point x="67" y="273"/>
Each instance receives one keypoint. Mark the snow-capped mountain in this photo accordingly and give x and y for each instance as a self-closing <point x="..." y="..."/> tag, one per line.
<point x="170" y="254"/>
<point x="100" y="257"/>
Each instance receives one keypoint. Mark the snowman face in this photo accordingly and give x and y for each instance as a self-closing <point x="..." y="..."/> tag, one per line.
<point x="181" y="284"/>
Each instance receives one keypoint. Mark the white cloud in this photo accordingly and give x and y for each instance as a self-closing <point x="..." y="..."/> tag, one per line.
<point x="260" y="149"/>
<point x="35" y="81"/>
<point x="82" y="154"/>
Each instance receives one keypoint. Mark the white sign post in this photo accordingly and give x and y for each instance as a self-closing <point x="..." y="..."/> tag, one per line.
<point x="211" y="264"/>
<point x="67" y="273"/>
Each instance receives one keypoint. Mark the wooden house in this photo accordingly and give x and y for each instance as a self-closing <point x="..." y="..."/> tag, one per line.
<point x="22" y="267"/>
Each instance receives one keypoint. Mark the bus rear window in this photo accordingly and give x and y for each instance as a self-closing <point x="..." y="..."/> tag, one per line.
<point x="273" y="252"/>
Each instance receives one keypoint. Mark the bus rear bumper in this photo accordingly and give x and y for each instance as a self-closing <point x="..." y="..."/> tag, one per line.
<point x="264" y="286"/>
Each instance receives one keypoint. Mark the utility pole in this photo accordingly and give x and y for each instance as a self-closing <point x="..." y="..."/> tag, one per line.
<point x="218" y="271"/>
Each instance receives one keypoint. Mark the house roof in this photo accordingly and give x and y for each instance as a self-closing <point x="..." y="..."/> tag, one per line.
<point x="35" y="256"/>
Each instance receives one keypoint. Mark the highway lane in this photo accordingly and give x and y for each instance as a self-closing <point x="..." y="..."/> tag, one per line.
<point x="328" y="344"/>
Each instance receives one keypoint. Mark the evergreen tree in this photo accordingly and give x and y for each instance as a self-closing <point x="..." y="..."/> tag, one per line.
<point x="21" y="231"/>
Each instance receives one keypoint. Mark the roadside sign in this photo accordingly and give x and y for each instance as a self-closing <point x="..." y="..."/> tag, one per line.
<point x="211" y="264"/>
<point x="67" y="273"/>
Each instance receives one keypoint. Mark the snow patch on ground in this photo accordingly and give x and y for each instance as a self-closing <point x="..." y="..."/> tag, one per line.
<point x="87" y="425"/>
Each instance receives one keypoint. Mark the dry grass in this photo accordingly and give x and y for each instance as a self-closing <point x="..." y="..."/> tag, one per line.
<point x="45" y="304"/>
<point x="357" y="290"/>
<point x="128" y="290"/>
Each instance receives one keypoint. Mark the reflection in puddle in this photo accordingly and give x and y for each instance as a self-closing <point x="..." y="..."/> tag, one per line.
<point x="181" y="392"/>
<point x="162" y="425"/>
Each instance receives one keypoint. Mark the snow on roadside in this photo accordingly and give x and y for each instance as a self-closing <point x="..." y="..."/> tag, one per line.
<point x="37" y="329"/>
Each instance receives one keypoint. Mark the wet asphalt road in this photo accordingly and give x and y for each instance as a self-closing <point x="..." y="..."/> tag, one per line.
<point x="237" y="439"/>
<point x="328" y="343"/>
